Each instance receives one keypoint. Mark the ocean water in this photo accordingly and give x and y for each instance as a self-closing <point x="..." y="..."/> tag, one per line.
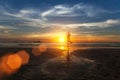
<point x="63" y="46"/>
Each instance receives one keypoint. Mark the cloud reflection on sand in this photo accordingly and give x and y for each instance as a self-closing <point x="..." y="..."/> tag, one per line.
<point x="59" y="68"/>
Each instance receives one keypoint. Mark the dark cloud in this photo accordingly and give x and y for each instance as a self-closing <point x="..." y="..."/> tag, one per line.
<point x="113" y="30"/>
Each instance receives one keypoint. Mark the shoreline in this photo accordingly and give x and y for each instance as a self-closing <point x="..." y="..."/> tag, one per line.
<point x="106" y="65"/>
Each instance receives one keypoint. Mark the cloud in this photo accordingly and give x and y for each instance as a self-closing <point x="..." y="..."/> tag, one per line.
<point x="26" y="17"/>
<point x="2" y="27"/>
<point x="103" y="24"/>
<point x="21" y="13"/>
<point x="31" y="21"/>
<point x="35" y="18"/>
<point x="110" y="27"/>
<point x="58" y="10"/>
<point x="6" y="27"/>
<point x="26" y="14"/>
<point x="71" y="11"/>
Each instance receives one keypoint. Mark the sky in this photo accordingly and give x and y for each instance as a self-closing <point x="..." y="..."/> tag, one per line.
<point x="87" y="20"/>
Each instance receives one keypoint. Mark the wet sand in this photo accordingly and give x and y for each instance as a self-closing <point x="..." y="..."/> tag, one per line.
<point x="87" y="64"/>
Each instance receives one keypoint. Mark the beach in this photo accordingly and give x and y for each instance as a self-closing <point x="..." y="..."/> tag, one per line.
<point x="86" y="64"/>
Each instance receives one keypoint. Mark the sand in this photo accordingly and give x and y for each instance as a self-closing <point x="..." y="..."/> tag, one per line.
<point x="87" y="64"/>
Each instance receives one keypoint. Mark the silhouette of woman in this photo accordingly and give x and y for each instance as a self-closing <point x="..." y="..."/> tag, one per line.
<point x="68" y="45"/>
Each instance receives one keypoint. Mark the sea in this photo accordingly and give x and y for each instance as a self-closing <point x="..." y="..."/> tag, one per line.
<point x="73" y="46"/>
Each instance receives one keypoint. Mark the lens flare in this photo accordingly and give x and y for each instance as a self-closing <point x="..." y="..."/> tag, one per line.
<point x="4" y="68"/>
<point x="10" y="63"/>
<point x="14" y="61"/>
<point x="42" y="48"/>
<point x="24" y="55"/>
<point x="38" y="50"/>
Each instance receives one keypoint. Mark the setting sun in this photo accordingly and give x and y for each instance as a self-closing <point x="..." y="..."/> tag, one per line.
<point x="62" y="39"/>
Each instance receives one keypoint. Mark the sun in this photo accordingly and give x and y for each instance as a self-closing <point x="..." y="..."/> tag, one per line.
<point x="62" y="39"/>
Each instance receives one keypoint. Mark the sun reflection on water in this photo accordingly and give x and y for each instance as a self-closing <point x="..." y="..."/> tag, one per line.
<point x="62" y="47"/>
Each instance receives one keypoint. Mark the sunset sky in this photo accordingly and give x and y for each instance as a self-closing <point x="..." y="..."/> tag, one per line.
<point x="87" y="20"/>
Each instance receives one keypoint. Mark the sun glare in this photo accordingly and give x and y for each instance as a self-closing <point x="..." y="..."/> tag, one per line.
<point x="62" y="47"/>
<point x="62" y="39"/>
